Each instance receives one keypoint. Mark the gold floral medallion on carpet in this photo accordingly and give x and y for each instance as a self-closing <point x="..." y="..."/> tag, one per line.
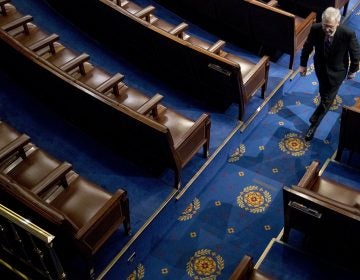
<point x="294" y="144"/>
<point x="205" y="265"/>
<point x="254" y="199"/>
<point x="190" y="211"/>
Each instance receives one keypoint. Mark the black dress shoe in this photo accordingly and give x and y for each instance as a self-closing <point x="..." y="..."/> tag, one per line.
<point x="310" y="133"/>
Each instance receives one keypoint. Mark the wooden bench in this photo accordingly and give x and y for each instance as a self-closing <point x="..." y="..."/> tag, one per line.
<point x="170" y="51"/>
<point x="278" y="29"/>
<point x="260" y="27"/>
<point x="322" y="208"/>
<point x="46" y="190"/>
<point x="124" y="119"/>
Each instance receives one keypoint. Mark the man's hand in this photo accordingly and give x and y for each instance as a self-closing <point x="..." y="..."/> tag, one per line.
<point x="351" y="76"/>
<point x="302" y="71"/>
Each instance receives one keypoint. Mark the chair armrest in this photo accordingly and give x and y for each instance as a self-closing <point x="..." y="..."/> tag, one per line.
<point x="76" y="62"/>
<point x="336" y="206"/>
<point x="177" y="30"/>
<point x="14" y="146"/>
<point x="145" y="13"/>
<point x="48" y="41"/>
<point x="243" y="269"/>
<point x="121" y="3"/>
<point x="217" y="47"/>
<point x="307" y="22"/>
<point x="106" y="217"/>
<point x="272" y="3"/>
<point x="308" y="178"/>
<point x="53" y="177"/>
<point x="200" y="122"/>
<point x="111" y="83"/>
<point x="23" y="21"/>
<point x="151" y="105"/>
<point x="2" y="6"/>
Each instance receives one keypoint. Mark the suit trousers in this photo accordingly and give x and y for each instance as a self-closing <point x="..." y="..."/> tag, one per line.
<point x="328" y="93"/>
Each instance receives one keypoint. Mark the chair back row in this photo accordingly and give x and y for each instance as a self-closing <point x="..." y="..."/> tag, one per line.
<point x="98" y="102"/>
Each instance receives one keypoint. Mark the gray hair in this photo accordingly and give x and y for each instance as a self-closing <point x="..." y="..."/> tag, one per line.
<point x="331" y="14"/>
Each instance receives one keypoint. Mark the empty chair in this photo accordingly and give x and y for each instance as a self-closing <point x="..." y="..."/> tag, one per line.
<point x="24" y="31"/>
<point x="8" y="12"/>
<point x="324" y="208"/>
<point x="37" y="171"/>
<point x="94" y="213"/>
<point x="349" y="136"/>
<point x="11" y="140"/>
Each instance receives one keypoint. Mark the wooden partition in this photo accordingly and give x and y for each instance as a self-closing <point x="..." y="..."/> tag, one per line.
<point x="259" y="25"/>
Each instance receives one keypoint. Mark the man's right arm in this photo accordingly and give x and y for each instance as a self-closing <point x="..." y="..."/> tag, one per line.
<point x="305" y="52"/>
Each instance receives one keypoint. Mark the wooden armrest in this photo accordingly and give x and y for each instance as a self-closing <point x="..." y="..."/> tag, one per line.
<point x="145" y="13"/>
<point x="177" y="30"/>
<point x="151" y="105"/>
<point x="76" y="62"/>
<point x="121" y="3"/>
<point x="271" y="8"/>
<point x="96" y="221"/>
<point x="199" y="122"/>
<point x="272" y="3"/>
<point x="307" y="22"/>
<point x="242" y="270"/>
<point x="23" y="21"/>
<point x="311" y="173"/>
<point x="53" y="177"/>
<point x="16" y="145"/>
<point x="111" y="83"/>
<point x="48" y="41"/>
<point x="216" y="48"/>
<point x="2" y="7"/>
<point x="313" y="197"/>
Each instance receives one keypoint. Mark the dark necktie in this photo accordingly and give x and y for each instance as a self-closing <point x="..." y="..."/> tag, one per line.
<point x="327" y="44"/>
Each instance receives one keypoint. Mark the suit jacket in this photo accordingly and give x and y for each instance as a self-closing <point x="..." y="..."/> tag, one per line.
<point x="334" y="66"/>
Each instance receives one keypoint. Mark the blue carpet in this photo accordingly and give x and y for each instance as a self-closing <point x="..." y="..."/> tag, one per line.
<point x="233" y="208"/>
<point x="270" y="153"/>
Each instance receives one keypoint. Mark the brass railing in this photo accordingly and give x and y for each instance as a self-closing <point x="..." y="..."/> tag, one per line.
<point x="27" y="249"/>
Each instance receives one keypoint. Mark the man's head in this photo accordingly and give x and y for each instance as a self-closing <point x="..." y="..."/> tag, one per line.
<point x="330" y="20"/>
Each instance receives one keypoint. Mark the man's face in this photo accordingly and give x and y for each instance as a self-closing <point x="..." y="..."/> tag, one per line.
<point x="329" y="27"/>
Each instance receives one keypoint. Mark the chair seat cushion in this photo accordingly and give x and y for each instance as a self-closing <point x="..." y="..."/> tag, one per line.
<point x="80" y="201"/>
<point x="30" y="171"/>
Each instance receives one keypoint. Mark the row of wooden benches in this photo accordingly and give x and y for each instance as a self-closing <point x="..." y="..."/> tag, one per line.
<point x="203" y="68"/>
<point x="49" y="192"/>
<point x="99" y="102"/>
<point x="247" y="22"/>
<point x="251" y="75"/>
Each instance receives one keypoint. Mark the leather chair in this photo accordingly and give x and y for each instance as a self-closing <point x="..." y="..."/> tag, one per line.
<point x="93" y="213"/>
<point x="318" y="206"/>
<point x="10" y="140"/>
<point x="8" y="12"/>
<point x="349" y="136"/>
<point x="246" y="271"/>
<point x="37" y="171"/>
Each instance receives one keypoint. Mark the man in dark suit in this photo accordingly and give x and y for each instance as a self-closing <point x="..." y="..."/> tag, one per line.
<point x="336" y="57"/>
